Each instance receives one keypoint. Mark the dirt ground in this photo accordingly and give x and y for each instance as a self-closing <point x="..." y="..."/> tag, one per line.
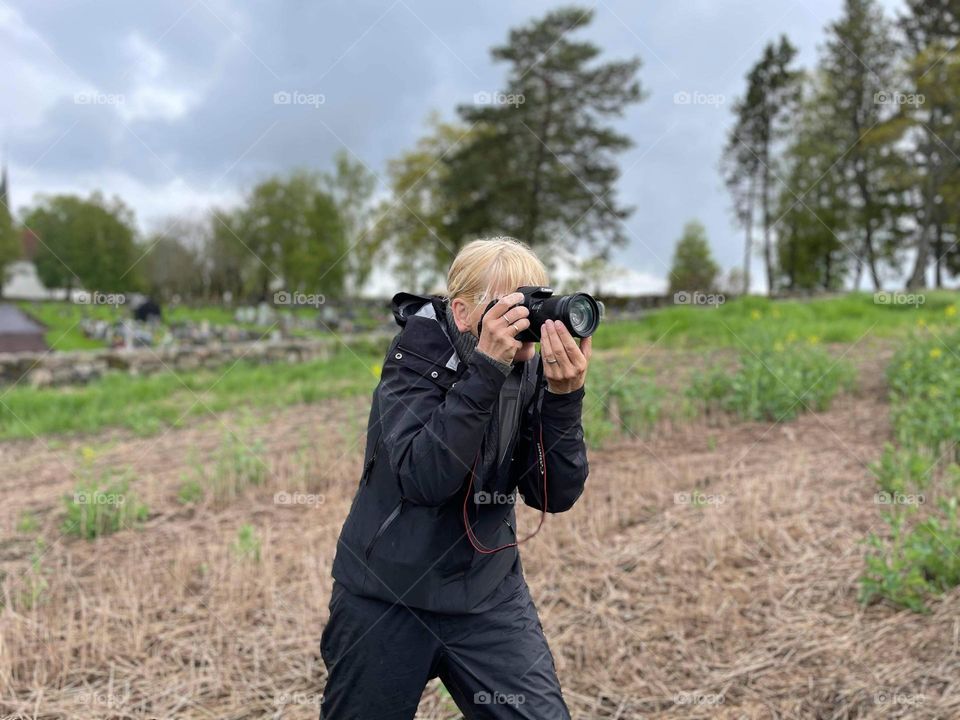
<point x="708" y="571"/>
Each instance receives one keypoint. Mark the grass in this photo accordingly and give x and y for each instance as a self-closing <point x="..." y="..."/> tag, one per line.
<point x="829" y="320"/>
<point x="148" y="404"/>
<point x="918" y="478"/>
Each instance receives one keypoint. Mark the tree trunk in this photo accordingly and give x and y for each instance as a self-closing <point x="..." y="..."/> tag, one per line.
<point x="765" y="202"/>
<point x="748" y="243"/>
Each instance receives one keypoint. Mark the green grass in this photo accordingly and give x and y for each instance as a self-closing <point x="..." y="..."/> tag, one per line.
<point x="149" y="404"/>
<point x="63" y="322"/>
<point x="830" y="320"/>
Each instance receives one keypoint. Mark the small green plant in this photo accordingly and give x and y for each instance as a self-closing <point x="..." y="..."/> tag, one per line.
<point x="238" y="465"/>
<point x="34" y="583"/>
<point x="27" y="523"/>
<point x="191" y="492"/>
<point x="247" y="544"/>
<point x="102" y="508"/>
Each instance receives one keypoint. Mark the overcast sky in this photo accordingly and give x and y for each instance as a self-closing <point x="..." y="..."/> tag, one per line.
<point x="171" y="105"/>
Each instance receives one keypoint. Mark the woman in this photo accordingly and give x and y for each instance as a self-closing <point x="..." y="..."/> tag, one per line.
<point x="427" y="577"/>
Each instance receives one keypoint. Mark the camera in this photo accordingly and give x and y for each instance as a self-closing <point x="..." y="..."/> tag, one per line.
<point x="580" y="313"/>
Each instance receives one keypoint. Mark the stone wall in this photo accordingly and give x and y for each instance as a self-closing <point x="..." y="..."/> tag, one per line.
<point x="76" y="368"/>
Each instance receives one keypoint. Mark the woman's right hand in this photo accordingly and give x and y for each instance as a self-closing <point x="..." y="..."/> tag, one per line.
<point x="501" y="325"/>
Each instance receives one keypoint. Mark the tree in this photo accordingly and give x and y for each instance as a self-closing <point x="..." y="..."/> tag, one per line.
<point x="9" y="244"/>
<point x="813" y="231"/>
<point x="540" y="165"/>
<point x="857" y="66"/>
<point x="293" y="236"/>
<point x="351" y="186"/>
<point x="85" y="243"/>
<point x="773" y="90"/>
<point x="171" y="262"/>
<point x="410" y="225"/>
<point x="693" y="267"/>
<point x="931" y="30"/>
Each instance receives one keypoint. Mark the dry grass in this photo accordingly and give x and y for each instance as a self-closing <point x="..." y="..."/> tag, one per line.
<point x="744" y="606"/>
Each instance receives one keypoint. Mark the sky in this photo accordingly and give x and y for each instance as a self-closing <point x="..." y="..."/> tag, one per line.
<point x="178" y="106"/>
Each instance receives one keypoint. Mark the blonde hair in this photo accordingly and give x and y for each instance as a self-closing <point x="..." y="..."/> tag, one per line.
<point x="484" y="268"/>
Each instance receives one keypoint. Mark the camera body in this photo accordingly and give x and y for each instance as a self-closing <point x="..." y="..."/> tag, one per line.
<point x="580" y="313"/>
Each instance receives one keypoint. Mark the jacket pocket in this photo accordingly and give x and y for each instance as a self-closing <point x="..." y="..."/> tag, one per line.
<point x="391" y="518"/>
<point x="435" y="371"/>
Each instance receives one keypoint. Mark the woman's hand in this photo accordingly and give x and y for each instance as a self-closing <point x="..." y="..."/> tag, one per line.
<point x="501" y="325"/>
<point x="564" y="363"/>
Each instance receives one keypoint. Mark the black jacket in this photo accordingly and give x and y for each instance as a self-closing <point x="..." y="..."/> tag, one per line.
<point x="404" y="539"/>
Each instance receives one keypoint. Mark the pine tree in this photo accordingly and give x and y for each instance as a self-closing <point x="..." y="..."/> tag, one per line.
<point x="541" y="165"/>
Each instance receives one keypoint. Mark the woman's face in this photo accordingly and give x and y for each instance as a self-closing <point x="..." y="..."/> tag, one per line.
<point x="468" y="317"/>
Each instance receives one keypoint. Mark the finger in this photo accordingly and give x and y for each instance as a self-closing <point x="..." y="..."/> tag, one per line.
<point x="570" y="346"/>
<point x="586" y="347"/>
<point x="564" y="364"/>
<point x="515" y="313"/>
<point x="547" y="352"/>
<point x="518" y="327"/>
<point x="504" y="304"/>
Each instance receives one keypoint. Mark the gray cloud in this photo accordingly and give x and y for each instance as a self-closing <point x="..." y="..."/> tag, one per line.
<point x="198" y="120"/>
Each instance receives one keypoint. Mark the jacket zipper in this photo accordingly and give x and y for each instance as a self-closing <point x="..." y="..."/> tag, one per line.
<point x="383" y="528"/>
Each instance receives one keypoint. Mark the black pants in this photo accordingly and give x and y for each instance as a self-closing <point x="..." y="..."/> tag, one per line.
<point x="495" y="664"/>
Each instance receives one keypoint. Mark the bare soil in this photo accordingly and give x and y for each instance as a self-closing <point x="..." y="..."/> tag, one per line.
<point x="708" y="571"/>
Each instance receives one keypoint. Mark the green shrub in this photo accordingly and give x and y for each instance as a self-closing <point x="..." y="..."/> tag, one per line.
<point x="774" y="382"/>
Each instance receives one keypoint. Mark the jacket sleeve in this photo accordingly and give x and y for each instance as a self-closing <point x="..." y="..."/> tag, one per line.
<point x="565" y="453"/>
<point x="431" y="433"/>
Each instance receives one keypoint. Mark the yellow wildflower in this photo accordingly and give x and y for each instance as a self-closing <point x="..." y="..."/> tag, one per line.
<point x="936" y="353"/>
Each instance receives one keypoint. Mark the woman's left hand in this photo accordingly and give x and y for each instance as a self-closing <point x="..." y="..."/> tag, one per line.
<point x="564" y="362"/>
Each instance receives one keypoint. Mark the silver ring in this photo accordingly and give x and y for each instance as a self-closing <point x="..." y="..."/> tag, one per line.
<point x="551" y="361"/>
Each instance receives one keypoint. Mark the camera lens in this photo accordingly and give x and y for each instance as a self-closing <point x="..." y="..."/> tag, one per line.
<point x="583" y="315"/>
